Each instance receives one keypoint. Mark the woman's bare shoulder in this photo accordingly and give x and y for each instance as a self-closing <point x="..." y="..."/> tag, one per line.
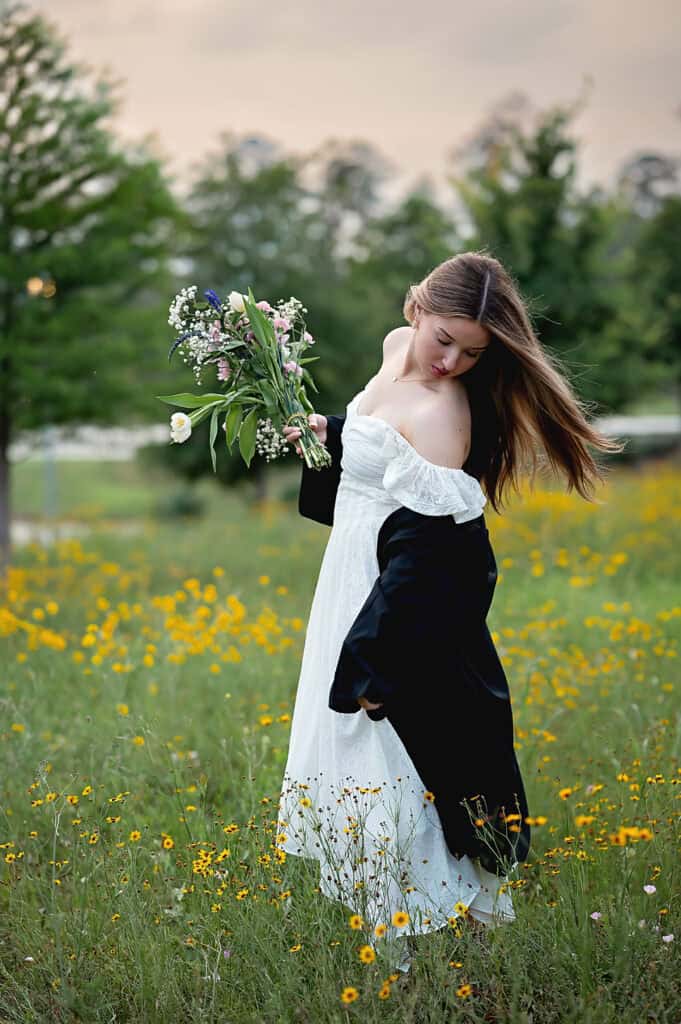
<point x="395" y="340"/>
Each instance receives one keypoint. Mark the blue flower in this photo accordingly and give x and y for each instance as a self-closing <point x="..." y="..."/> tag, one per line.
<point x="177" y="342"/>
<point x="213" y="299"/>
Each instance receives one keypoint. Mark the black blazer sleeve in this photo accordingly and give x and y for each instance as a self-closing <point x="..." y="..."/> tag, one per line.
<point x="429" y="600"/>
<point x="317" y="496"/>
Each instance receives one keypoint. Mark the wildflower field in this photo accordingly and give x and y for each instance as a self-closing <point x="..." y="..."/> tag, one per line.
<point x="146" y="693"/>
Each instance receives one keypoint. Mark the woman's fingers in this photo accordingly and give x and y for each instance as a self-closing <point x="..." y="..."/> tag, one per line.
<point x="367" y="705"/>
<point x="292" y="434"/>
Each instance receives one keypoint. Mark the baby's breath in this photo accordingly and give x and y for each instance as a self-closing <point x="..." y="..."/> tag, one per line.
<point x="268" y="441"/>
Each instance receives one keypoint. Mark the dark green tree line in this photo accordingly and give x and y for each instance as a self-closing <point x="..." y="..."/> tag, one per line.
<point x="85" y="233"/>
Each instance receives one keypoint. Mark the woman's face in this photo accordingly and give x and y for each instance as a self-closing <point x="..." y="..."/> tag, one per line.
<point x="452" y="344"/>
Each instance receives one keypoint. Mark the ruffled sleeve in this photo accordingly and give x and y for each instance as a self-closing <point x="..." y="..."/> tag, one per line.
<point x="430" y="489"/>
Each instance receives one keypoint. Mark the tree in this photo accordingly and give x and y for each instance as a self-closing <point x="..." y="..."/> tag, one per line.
<point x="283" y="225"/>
<point x="565" y="250"/>
<point x="657" y="270"/>
<point x="392" y="251"/>
<point x="647" y="179"/>
<point x="85" y="229"/>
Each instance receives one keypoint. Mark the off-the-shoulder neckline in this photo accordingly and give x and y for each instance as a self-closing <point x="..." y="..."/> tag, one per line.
<point x="405" y="442"/>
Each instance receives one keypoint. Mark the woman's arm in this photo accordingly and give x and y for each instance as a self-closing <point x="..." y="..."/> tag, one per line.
<point x="317" y="496"/>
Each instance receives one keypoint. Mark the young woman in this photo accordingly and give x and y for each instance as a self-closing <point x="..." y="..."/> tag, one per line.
<point x="401" y="779"/>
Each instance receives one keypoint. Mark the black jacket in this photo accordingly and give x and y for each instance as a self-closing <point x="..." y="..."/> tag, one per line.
<point x="421" y="647"/>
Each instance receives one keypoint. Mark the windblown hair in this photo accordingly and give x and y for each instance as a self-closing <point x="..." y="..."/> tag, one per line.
<point x="520" y="398"/>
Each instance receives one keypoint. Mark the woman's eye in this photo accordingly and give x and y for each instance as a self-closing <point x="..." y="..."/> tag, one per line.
<point x="473" y="355"/>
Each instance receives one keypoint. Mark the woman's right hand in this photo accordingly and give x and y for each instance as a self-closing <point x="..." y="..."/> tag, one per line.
<point x="367" y="705"/>
<point x="317" y="423"/>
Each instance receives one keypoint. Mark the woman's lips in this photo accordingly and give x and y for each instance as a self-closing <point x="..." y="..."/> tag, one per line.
<point x="439" y="372"/>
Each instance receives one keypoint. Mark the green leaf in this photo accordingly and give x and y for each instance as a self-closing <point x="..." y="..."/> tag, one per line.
<point x="247" y="436"/>
<point x="249" y="390"/>
<point x="200" y="414"/>
<point x="212" y="435"/>
<point x="270" y="397"/>
<point x="262" y="328"/>
<point x="308" y="378"/>
<point x="232" y="424"/>
<point x="189" y="401"/>
<point x="308" y="359"/>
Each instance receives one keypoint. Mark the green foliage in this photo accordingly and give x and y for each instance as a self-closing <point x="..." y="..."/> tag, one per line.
<point x="569" y="253"/>
<point x="90" y="225"/>
<point x="179" y="504"/>
<point x="393" y="250"/>
<point x="656" y="274"/>
<point x="86" y="229"/>
<point x="95" y="226"/>
<point x="247" y="436"/>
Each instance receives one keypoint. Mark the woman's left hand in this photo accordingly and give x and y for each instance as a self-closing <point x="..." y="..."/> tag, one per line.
<point x="367" y="705"/>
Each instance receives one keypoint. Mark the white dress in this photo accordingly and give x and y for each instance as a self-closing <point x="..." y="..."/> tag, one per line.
<point x="379" y="842"/>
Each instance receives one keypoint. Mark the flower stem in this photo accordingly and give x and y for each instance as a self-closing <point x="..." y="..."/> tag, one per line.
<point x="316" y="455"/>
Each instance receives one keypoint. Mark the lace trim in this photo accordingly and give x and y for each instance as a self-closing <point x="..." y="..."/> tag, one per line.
<point x="432" y="490"/>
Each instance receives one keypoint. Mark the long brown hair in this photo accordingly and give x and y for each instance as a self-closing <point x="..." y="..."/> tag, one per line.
<point x="521" y="400"/>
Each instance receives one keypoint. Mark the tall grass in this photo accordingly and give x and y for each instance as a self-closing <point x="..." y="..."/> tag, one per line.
<point x="146" y="695"/>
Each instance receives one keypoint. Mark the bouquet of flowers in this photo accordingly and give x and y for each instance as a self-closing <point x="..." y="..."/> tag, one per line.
<point x="256" y="352"/>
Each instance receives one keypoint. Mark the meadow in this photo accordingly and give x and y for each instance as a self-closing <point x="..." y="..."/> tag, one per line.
<point x="146" y="691"/>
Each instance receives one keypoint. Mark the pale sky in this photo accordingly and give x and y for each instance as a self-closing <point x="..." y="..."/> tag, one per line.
<point x="414" y="79"/>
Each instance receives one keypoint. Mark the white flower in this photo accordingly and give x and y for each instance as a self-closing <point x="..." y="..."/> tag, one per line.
<point x="236" y="301"/>
<point x="180" y="427"/>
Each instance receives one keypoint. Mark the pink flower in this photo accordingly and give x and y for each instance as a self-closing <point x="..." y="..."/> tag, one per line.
<point x="650" y="889"/>
<point x="224" y="369"/>
<point x="214" y="332"/>
<point x="293" y="367"/>
<point x="281" y="323"/>
<point x="596" y="915"/>
<point x="308" y="338"/>
<point x="264" y="305"/>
